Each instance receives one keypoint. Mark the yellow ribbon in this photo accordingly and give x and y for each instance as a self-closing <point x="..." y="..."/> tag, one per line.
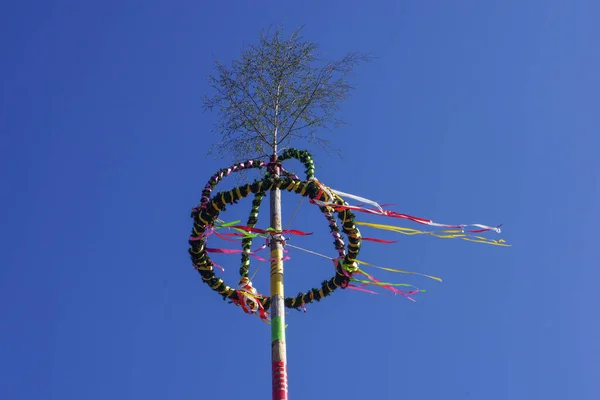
<point x="400" y="271"/>
<point x="443" y="234"/>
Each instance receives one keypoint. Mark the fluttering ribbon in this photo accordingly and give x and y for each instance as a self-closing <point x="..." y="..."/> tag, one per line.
<point x="355" y="197"/>
<point x="271" y="231"/>
<point x="237" y="251"/>
<point x="379" y="210"/>
<point x="401" y="271"/>
<point x="442" y="234"/>
<point x="375" y="282"/>
<point x="379" y="240"/>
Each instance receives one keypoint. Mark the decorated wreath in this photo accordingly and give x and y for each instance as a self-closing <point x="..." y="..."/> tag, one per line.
<point x="331" y="204"/>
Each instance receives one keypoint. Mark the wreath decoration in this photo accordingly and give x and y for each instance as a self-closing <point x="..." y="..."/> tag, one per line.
<point x="331" y="203"/>
<point x="206" y="214"/>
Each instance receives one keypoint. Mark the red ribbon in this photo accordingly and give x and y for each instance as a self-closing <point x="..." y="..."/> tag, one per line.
<point x="271" y="232"/>
<point x="393" y="214"/>
<point x="380" y="240"/>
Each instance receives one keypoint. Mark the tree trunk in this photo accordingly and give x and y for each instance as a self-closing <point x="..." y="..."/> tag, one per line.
<point x="278" y="353"/>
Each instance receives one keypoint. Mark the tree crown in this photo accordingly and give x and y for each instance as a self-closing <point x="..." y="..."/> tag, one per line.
<point x="280" y="90"/>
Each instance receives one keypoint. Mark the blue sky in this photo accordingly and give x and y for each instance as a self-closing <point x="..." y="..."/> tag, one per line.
<point x="473" y="112"/>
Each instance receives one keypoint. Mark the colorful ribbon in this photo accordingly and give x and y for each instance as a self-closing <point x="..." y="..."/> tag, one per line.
<point x="442" y="234"/>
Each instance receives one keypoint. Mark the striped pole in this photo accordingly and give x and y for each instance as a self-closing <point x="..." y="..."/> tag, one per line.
<point x="278" y="354"/>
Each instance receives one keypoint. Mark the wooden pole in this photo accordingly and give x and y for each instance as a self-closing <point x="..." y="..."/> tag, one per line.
<point x="278" y="353"/>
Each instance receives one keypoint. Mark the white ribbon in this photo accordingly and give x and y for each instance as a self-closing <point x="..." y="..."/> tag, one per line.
<point x="245" y="288"/>
<point x="358" y="198"/>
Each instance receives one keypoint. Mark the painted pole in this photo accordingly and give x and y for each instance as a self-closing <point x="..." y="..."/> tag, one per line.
<point x="278" y="353"/>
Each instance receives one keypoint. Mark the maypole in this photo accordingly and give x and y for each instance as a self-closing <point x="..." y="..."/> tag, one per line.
<point x="348" y="268"/>
<point x="277" y="93"/>
<point x="278" y="348"/>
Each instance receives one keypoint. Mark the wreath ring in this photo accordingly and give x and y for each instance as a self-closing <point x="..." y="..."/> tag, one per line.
<point x="206" y="214"/>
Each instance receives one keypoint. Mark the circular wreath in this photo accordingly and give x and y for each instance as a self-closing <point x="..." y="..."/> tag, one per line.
<point x="209" y="209"/>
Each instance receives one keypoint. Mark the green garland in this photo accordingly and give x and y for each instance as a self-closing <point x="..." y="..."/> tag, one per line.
<point x="208" y="211"/>
<point x="304" y="157"/>
<point x="247" y="240"/>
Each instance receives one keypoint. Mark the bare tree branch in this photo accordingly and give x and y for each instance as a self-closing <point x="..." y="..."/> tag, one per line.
<point x="279" y="91"/>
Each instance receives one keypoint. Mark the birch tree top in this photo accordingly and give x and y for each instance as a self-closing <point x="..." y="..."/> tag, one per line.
<point x="278" y="91"/>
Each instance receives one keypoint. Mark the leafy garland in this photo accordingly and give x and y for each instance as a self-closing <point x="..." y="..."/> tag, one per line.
<point x="206" y="214"/>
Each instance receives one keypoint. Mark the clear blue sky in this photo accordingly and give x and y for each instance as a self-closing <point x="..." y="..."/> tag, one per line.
<point x="474" y="112"/>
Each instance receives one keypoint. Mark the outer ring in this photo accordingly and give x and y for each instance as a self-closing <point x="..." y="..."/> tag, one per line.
<point x="206" y="214"/>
